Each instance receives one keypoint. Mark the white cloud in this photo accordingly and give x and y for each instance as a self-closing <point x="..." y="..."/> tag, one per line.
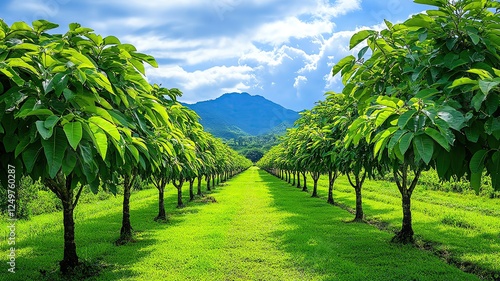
<point x="299" y="81"/>
<point x="214" y="76"/>
<point x="279" y="32"/>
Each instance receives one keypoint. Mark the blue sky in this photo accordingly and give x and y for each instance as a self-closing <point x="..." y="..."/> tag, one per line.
<point x="282" y="50"/>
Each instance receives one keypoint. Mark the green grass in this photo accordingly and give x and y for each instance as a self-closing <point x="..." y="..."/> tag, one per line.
<point x="463" y="228"/>
<point x="259" y="229"/>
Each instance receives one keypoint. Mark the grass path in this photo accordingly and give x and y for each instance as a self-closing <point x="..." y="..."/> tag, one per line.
<point x="259" y="229"/>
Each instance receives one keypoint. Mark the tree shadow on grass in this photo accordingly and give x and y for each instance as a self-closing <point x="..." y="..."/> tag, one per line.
<point x="321" y="243"/>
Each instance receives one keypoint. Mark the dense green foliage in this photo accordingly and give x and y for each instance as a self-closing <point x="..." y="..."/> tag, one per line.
<point x="76" y="110"/>
<point x="427" y="97"/>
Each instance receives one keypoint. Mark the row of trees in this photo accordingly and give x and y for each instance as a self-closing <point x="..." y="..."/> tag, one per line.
<point x="76" y="111"/>
<point x="427" y="97"/>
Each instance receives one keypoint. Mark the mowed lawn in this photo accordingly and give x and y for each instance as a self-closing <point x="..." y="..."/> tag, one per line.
<point x="260" y="229"/>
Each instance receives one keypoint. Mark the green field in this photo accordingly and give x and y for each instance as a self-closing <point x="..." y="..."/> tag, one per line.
<point x="261" y="228"/>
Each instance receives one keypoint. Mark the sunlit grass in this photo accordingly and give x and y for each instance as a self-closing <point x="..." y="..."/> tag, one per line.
<point x="259" y="229"/>
<point x="465" y="227"/>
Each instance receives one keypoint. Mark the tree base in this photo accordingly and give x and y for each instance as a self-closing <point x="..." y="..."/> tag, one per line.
<point x="315" y="196"/>
<point x="68" y="267"/>
<point x="403" y="238"/>
<point x="125" y="238"/>
<point x="330" y="201"/>
<point x="162" y="218"/>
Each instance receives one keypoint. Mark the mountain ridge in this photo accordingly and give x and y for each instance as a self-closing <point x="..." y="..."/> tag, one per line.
<point x="233" y="115"/>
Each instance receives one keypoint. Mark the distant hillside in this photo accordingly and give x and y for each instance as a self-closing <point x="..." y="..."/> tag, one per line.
<point x="233" y="115"/>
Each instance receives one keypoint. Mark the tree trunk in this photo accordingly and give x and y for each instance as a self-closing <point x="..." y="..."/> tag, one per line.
<point x="62" y="187"/>
<point x="213" y="181"/>
<point x="304" y="187"/>
<point x="293" y="181"/>
<point x="359" y="204"/>
<point x="70" y="258"/>
<point x="315" y="177"/>
<point x="191" y="189"/>
<point x="405" y="236"/>
<point x="298" y="180"/>
<point x="199" y="186"/>
<point x="126" y="230"/>
<point x="162" y="215"/>
<point x="332" y="176"/>
<point x="207" y="177"/>
<point x="179" y="185"/>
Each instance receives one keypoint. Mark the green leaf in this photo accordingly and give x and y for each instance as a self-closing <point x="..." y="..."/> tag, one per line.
<point x="108" y="127"/>
<point x="472" y="133"/>
<point x="438" y="137"/>
<point x="362" y="52"/>
<point x="50" y="122"/>
<point x="495" y="170"/>
<point x="43" y="25"/>
<point x="147" y="58"/>
<point x="405" y="142"/>
<point x="463" y="81"/>
<point x="100" y="139"/>
<point x="476" y="164"/>
<point x="425" y="147"/>
<point x="17" y="62"/>
<point x="475" y="181"/>
<point x="44" y="132"/>
<point x="478" y="100"/>
<point x="419" y="20"/>
<point x="54" y="149"/>
<point x="382" y="117"/>
<point x="405" y="118"/>
<point x="74" y="133"/>
<point x="487" y="86"/>
<point x="111" y="40"/>
<point x="30" y="155"/>
<point x="474" y="37"/>
<point x="20" y="26"/>
<point x="454" y="118"/>
<point x="360" y="37"/>
<point x="69" y="162"/>
<point x="342" y="63"/>
<point x="427" y="93"/>
<point x="37" y="112"/>
<point x="436" y="3"/>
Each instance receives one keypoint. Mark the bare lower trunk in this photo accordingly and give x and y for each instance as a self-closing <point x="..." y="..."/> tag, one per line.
<point x="304" y="187"/>
<point x="179" y="185"/>
<point x="293" y="175"/>
<point x="162" y="215"/>
<point x="199" y="186"/>
<point x="359" y="204"/>
<point x="126" y="229"/>
<point x="405" y="236"/>
<point x="63" y="189"/>
<point x="207" y="177"/>
<point x="315" y="177"/>
<point x="191" y="189"/>
<point x="70" y="258"/>
<point x="298" y="180"/>
<point x="332" y="176"/>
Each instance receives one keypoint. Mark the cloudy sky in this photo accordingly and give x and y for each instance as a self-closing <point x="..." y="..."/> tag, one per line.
<point x="280" y="49"/>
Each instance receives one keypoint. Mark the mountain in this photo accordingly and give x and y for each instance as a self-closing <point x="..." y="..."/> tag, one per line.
<point x="240" y="114"/>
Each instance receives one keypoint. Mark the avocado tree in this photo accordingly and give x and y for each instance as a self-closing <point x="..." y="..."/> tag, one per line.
<point x="428" y="93"/>
<point x="62" y="98"/>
